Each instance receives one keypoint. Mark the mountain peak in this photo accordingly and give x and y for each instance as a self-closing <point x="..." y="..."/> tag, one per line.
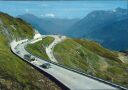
<point x="121" y="10"/>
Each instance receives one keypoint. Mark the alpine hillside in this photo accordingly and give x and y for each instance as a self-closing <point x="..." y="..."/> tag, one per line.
<point x="15" y="74"/>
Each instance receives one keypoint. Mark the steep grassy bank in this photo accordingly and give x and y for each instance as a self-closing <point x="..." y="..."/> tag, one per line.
<point x="15" y="28"/>
<point x="93" y="59"/>
<point x="46" y="41"/>
<point x="38" y="48"/>
<point x="14" y="73"/>
<point x="98" y="49"/>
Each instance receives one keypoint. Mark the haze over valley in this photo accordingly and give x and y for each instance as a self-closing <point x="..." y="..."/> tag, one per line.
<point x="49" y="25"/>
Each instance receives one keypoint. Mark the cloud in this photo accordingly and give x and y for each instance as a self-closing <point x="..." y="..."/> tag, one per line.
<point x="26" y="10"/>
<point x="42" y="15"/>
<point x="50" y="15"/>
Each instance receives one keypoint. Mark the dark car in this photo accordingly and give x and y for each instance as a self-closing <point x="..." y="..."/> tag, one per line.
<point x="27" y="56"/>
<point x="18" y="52"/>
<point x="46" y="65"/>
<point x="32" y="59"/>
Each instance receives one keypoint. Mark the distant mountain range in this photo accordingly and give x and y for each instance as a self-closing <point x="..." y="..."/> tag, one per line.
<point x="49" y="25"/>
<point x="95" y="21"/>
<point x="113" y="36"/>
<point x="109" y="28"/>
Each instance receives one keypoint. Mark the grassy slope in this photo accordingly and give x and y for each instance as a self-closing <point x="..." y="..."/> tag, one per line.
<point x="92" y="59"/>
<point x="23" y="29"/>
<point x="39" y="47"/>
<point x="46" y="41"/>
<point x="14" y="73"/>
<point x="98" y="49"/>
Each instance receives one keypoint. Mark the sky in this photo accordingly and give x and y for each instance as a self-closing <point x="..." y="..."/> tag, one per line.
<point x="58" y="9"/>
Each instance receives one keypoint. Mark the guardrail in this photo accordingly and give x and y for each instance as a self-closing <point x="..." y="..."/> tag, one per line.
<point x="82" y="73"/>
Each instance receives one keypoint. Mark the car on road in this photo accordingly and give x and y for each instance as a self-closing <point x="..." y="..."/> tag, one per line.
<point x="15" y="48"/>
<point x="32" y="59"/>
<point x="27" y="56"/>
<point x="46" y="65"/>
<point x="18" y="52"/>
